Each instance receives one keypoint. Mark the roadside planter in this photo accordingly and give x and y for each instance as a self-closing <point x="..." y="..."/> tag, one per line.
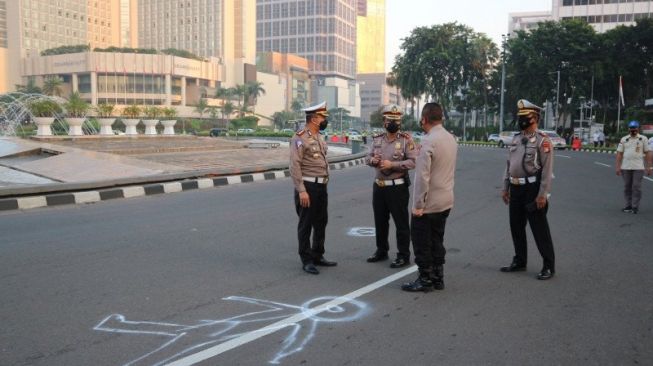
<point x="169" y="123"/>
<point x="43" y="126"/>
<point x="75" y="125"/>
<point x="106" y="121"/>
<point x="150" y="123"/>
<point x="132" y="112"/>
<point x="43" y="112"/>
<point x="76" y="109"/>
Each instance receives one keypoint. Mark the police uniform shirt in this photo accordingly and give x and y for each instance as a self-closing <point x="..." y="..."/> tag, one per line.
<point x="529" y="155"/>
<point x="307" y="158"/>
<point x="634" y="150"/>
<point x="434" y="171"/>
<point x="401" y="151"/>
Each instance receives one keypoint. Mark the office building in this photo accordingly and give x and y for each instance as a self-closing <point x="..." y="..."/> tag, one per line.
<point x="374" y="93"/>
<point x="32" y="26"/>
<point x="293" y="71"/>
<point x="225" y="29"/>
<point x="603" y="14"/>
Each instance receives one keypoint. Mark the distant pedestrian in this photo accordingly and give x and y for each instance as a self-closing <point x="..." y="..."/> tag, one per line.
<point x="632" y="153"/>
<point x="309" y="170"/>
<point x="595" y="139"/>
<point x="526" y="186"/>
<point x="601" y="139"/>
<point x="392" y="155"/>
<point x="432" y="199"/>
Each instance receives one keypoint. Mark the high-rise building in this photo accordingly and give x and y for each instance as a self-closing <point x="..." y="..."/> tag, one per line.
<point x="324" y="32"/>
<point x="375" y="93"/>
<point x="370" y="40"/>
<point x="128" y="23"/>
<point x="208" y="28"/>
<point x="32" y="26"/>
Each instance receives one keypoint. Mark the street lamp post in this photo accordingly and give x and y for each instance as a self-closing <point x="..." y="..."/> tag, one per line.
<point x="503" y="78"/>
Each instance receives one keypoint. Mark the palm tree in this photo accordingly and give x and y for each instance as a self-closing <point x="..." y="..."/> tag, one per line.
<point x="30" y="88"/>
<point x="52" y="85"/>
<point x="223" y="94"/>
<point x="254" y="90"/>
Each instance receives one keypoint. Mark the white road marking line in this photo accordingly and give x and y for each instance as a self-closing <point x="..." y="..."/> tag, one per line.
<point x="563" y="156"/>
<point x="258" y="333"/>
<point x="597" y="163"/>
<point x="647" y="178"/>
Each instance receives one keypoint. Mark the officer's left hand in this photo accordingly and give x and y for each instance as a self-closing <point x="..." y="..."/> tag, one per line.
<point x="385" y="164"/>
<point x="648" y="171"/>
<point x="540" y="201"/>
<point x="418" y="212"/>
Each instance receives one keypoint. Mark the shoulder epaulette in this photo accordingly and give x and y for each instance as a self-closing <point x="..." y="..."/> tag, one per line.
<point x="299" y="133"/>
<point x="379" y="135"/>
<point x="542" y="134"/>
<point x="404" y="135"/>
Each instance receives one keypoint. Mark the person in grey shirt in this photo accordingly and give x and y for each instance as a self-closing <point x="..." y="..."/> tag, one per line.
<point x="432" y="200"/>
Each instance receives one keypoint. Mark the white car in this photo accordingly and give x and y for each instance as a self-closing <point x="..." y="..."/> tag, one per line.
<point x="493" y="138"/>
<point x="505" y="138"/>
<point x="245" y="130"/>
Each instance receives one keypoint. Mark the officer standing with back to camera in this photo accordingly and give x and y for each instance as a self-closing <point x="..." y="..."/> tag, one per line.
<point x="527" y="183"/>
<point x="392" y="154"/>
<point x="309" y="170"/>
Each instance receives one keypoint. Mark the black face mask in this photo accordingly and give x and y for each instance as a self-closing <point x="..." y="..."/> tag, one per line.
<point x="633" y="132"/>
<point x="392" y="127"/>
<point x="524" y="122"/>
<point x="323" y="124"/>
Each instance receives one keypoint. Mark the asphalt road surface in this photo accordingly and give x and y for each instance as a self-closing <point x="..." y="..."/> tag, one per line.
<point x="212" y="277"/>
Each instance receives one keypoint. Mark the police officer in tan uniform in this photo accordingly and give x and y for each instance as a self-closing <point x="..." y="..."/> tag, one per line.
<point x="433" y="199"/>
<point x="309" y="170"/>
<point x="526" y="187"/>
<point x="392" y="154"/>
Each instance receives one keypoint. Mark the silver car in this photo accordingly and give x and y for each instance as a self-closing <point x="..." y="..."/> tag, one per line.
<point x="505" y="138"/>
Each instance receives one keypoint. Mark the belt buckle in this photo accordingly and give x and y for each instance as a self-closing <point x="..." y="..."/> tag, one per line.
<point x="380" y="183"/>
<point x="326" y="180"/>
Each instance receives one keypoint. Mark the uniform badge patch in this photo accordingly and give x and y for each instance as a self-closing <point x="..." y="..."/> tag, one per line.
<point x="546" y="146"/>
<point x="411" y="146"/>
<point x="398" y="145"/>
<point x="298" y="144"/>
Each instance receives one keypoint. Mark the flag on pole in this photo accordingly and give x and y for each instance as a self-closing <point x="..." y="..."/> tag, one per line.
<point x="621" y="91"/>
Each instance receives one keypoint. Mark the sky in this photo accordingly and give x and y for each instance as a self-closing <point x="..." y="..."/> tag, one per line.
<point x="485" y="16"/>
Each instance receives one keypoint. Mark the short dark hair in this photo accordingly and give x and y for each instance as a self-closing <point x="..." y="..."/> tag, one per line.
<point x="432" y="111"/>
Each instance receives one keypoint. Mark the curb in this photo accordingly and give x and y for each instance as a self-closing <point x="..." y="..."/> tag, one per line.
<point x="92" y="196"/>
<point x="602" y="151"/>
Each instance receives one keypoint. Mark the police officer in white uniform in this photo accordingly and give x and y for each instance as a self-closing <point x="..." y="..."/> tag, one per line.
<point x="632" y="151"/>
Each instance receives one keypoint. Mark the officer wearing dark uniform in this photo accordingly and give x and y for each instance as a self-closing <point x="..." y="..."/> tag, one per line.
<point x="393" y="153"/>
<point x="309" y="171"/>
<point x="527" y="183"/>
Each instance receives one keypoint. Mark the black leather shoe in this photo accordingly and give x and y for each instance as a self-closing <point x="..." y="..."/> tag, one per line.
<point x="399" y="262"/>
<point x="514" y="267"/>
<point x="377" y="257"/>
<point x="310" y="268"/>
<point x="325" y="263"/>
<point x="420" y="284"/>
<point x="545" y="274"/>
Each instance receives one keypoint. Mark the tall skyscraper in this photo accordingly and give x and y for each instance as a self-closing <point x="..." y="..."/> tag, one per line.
<point x="322" y="31"/>
<point x="208" y="28"/>
<point x="370" y="42"/>
<point x="32" y="26"/>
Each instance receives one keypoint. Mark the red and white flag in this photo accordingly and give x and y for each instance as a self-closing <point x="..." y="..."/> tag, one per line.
<point x="621" y="91"/>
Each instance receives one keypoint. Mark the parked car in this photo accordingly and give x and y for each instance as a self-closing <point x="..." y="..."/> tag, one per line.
<point x="287" y="130"/>
<point x="493" y="137"/>
<point x="505" y="138"/>
<point x="245" y="130"/>
<point x="557" y="141"/>
<point x="215" y="132"/>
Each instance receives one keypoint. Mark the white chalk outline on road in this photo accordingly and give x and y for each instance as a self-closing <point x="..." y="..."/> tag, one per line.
<point x="259" y="333"/>
<point x="563" y="156"/>
<point x="606" y="165"/>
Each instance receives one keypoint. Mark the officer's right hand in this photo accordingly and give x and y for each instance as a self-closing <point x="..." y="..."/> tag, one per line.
<point x="304" y="200"/>
<point x="505" y="196"/>
<point x="618" y="171"/>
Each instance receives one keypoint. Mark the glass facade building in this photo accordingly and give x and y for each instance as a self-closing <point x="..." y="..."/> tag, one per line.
<point x="322" y="31"/>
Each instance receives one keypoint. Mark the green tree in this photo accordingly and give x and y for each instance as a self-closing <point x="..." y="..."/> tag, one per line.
<point x="30" y="87"/>
<point x="376" y="118"/>
<point x="76" y="107"/>
<point x="254" y="89"/>
<point x="201" y="107"/>
<point x="281" y="118"/>
<point x="227" y="109"/>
